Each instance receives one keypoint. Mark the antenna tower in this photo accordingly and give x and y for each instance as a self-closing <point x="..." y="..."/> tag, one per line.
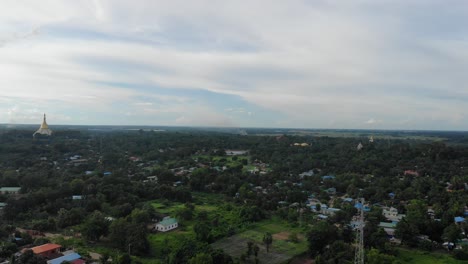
<point x="359" y="255"/>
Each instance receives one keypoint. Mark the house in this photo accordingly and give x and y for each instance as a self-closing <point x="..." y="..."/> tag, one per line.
<point x="459" y="219"/>
<point x="389" y="228"/>
<point x="231" y="152"/>
<point x="10" y="190"/>
<point x="392" y="214"/>
<point x="411" y="172"/>
<point x="47" y="250"/>
<point x="348" y="200"/>
<point x="107" y="173"/>
<point x="328" y="177"/>
<point x="360" y="146"/>
<point x="331" y="191"/>
<point x="360" y="206"/>
<point x="307" y="174"/>
<point x="322" y="217"/>
<point x="70" y="258"/>
<point x="77" y="197"/>
<point x="166" y="224"/>
<point x="78" y="162"/>
<point x="330" y="211"/>
<point x="152" y="178"/>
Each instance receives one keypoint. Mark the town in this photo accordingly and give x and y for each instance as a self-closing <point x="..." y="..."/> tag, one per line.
<point x="156" y="196"/>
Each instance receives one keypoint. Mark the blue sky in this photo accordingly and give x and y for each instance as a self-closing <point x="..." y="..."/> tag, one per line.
<point x="306" y="64"/>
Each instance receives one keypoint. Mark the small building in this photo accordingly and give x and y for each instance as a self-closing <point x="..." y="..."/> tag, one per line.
<point x="330" y="211"/>
<point x="107" y="173"/>
<point x="411" y="172"/>
<point x="331" y="191"/>
<point x="459" y="219"/>
<point x="70" y="258"/>
<point x="322" y="217"/>
<point x="10" y="190"/>
<point x="392" y="214"/>
<point x="231" y="152"/>
<point x="47" y="250"/>
<point x="328" y="177"/>
<point x="167" y="224"/>
<point x="389" y="228"/>
<point x="360" y="146"/>
<point x="360" y="206"/>
<point x="307" y="174"/>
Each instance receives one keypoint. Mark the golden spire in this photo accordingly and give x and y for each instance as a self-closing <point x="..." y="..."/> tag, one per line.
<point x="44" y="129"/>
<point x="44" y="123"/>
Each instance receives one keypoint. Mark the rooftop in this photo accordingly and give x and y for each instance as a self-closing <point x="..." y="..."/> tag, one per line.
<point x="168" y="221"/>
<point x="45" y="248"/>
<point x="10" y="189"/>
<point x="69" y="257"/>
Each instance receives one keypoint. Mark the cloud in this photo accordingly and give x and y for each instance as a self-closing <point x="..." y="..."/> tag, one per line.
<point x="372" y="121"/>
<point x="301" y="64"/>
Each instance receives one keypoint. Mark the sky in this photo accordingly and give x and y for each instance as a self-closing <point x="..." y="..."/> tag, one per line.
<point x="357" y="64"/>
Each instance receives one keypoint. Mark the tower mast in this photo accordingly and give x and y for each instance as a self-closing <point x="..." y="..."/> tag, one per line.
<point x="359" y="254"/>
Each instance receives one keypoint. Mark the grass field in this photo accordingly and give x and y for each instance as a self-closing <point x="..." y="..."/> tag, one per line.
<point x="280" y="251"/>
<point x="420" y="257"/>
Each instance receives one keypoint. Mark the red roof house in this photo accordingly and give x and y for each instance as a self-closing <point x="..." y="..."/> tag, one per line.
<point x="47" y="250"/>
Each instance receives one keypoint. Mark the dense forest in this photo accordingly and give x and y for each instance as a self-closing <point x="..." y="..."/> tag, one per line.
<point x="105" y="192"/>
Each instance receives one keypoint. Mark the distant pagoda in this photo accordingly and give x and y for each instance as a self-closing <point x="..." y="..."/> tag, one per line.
<point x="44" y="129"/>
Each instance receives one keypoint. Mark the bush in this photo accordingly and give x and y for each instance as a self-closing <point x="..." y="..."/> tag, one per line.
<point x="461" y="254"/>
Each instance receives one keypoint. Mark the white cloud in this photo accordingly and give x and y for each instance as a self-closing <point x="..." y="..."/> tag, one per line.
<point x="310" y="61"/>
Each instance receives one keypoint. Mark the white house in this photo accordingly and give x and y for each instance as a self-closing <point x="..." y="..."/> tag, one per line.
<point x="392" y="214"/>
<point x="166" y="224"/>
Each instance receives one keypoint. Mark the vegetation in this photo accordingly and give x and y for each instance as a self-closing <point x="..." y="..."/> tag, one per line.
<point x="105" y="191"/>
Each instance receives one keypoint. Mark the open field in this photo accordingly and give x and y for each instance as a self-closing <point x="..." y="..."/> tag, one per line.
<point x="420" y="257"/>
<point x="280" y="251"/>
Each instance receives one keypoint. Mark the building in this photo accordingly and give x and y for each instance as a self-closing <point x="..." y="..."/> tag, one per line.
<point x="47" y="250"/>
<point x="43" y="129"/>
<point x="10" y="190"/>
<point x="459" y="219"/>
<point x="392" y="214"/>
<point x="167" y="224"/>
<point x="411" y="172"/>
<point x="231" y="152"/>
<point x="70" y="258"/>
<point x="307" y="174"/>
<point x="389" y="228"/>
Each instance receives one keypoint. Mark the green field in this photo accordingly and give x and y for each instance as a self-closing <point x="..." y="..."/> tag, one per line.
<point x="281" y="249"/>
<point x="420" y="257"/>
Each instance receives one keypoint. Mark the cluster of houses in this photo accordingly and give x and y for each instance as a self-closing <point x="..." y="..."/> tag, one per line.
<point x="54" y="255"/>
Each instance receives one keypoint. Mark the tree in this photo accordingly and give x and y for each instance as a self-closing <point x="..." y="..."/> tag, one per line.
<point x="95" y="226"/>
<point x="28" y="257"/>
<point x="202" y="231"/>
<point x="452" y="233"/>
<point x="124" y="259"/>
<point x="249" y="248"/>
<point x="320" y="236"/>
<point x="201" y="258"/>
<point x="256" y="249"/>
<point x="375" y="257"/>
<point x="267" y="240"/>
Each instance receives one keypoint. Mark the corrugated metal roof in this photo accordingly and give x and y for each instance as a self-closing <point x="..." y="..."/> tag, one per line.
<point x="45" y="248"/>
<point x="69" y="257"/>
<point x="168" y="221"/>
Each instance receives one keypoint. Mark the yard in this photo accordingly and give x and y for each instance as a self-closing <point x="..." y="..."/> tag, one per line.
<point x="420" y="257"/>
<point x="281" y="249"/>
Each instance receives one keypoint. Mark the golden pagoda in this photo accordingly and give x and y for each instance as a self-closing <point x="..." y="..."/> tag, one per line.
<point x="44" y="129"/>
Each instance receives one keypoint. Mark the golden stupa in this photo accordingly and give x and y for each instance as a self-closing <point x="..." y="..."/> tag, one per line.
<point x="44" y="129"/>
